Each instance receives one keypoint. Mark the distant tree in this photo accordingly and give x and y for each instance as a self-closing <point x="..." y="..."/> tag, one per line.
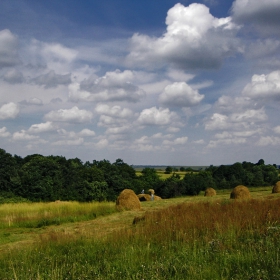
<point x="182" y="169"/>
<point x="168" y="170"/>
<point x="171" y="187"/>
<point x="260" y="162"/>
<point x="150" y="179"/>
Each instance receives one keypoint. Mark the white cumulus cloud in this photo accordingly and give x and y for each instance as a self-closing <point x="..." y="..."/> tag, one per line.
<point x="194" y="39"/>
<point x="9" y="111"/>
<point x="264" y="86"/>
<point x="237" y="121"/>
<point x="73" y="115"/>
<point x="23" y="136"/>
<point x="42" y="127"/>
<point x="114" y="86"/>
<point x="180" y="95"/>
<point x="154" y="116"/>
<point x="113" y="111"/>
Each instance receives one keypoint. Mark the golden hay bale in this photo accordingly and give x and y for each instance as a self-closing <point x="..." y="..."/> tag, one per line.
<point x="157" y="197"/>
<point x="128" y="200"/>
<point x="144" y="197"/>
<point x="240" y="192"/>
<point x="276" y="188"/>
<point x="210" y="192"/>
<point x="151" y="191"/>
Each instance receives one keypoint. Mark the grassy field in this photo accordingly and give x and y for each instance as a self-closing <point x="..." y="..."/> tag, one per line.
<point x="183" y="238"/>
<point x="162" y="174"/>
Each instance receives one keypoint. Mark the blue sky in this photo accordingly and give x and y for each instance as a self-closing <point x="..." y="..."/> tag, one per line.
<point x="151" y="82"/>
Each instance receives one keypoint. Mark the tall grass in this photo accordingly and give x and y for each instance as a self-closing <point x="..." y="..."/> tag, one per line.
<point x="20" y="215"/>
<point x="221" y="239"/>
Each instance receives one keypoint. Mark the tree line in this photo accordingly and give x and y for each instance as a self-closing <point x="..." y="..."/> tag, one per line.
<point x="49" y="178"/>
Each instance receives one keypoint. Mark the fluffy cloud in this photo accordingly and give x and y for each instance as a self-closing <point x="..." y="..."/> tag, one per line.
<point x="42" y="127"/>
<point x="73" y="115"/>
<point x="194" y="40"/>
<point x="113" y="115"/>
<point x="114" y="86"/>
<point x="113" y="111"/>
<point x="180" y="95"/>
<point x="124" y="129"/>
<point x="263" y="14"/>
<point x="142" y="140"/>
<point x="9" y="111"/>
<point x="52" y="79"/>
<point x="154" y="116"/>
<point x="8" y="49"/>
<point x="55" y="51"/>
<point x="101" y="144"/>
<point x="238" y="121"/>
<point x="23" y="136"/>
<point x="264" y="86"/>
<point x="4" y="132"/>
<point x="179" y="75"/>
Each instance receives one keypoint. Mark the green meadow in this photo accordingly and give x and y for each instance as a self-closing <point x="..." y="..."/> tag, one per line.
<point x="180" y="238"/>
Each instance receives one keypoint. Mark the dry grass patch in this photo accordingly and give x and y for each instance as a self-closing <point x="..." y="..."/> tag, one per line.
<point x="187" y="222"/>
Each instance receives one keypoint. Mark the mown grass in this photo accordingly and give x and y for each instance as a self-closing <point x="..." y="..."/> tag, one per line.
<point x="188" y="238"/>
<point x="18" y="220"/>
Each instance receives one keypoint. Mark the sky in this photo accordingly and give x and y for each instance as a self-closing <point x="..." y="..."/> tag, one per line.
<point x="151" y="82"/>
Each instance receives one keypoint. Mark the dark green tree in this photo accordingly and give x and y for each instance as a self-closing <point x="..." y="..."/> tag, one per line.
<point x="168" y="170"/>
<point x="9" y="177"/>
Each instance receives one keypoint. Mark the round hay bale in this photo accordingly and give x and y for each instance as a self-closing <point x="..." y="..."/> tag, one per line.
<point x="240" y="192"/>
<point x="157" y="197"/>
<point x="276" y="188"/>
<point x="144" y="197"/>
<point x="128" y="200"/>
<point x="151" y="191"/>
<point x="210" y="192"/>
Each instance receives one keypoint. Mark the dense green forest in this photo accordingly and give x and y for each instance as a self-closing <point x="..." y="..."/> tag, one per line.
<point x="49" y="178"/>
